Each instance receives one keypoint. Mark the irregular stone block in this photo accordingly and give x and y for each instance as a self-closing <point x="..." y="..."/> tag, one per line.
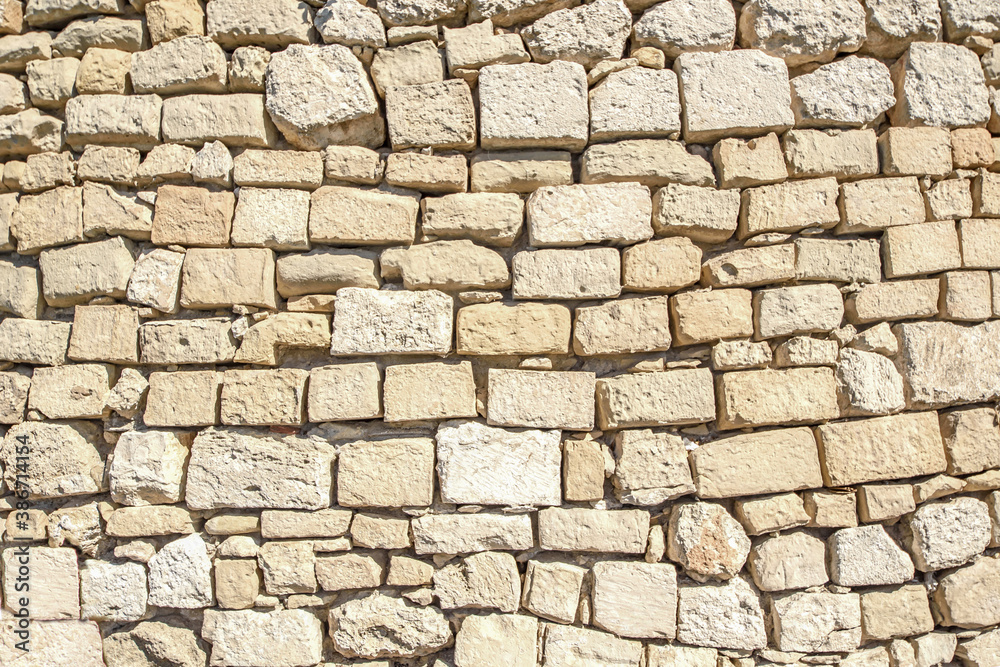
<point x="907" y="250"/>
<point x="789" y="207"/>
<point x="483" y="580"/>
<point x="129" y="120"/>
<point x="948" y="534"/>
<point x="586" y="34"/>
<point x="221" y="277"/>
<point x="649" y="399"/>
<point x="105" y="333"/>
<point x="180" y="575"/>
<point x="51" y="82"/>
<point x="567" y="274"/>
<point x="112" y="591"/>
<point x="853" y="92"/>
<point x="292" y="637"/>
<point x="148" y="467"/>
<point x="844" y="155"/>
<point x="865" y="208"/>
<point x="386" y="473"/>
<point x="967" y="597"/>
<point x="578" y="214"/>
<point x="790" y="560"/>
<point x="467" y="533"/>
<point x="342" y="22"/>
<point x="635" y="599"/>
<point x="439" y="114"/>
<point x="446" y="265"/>
<point x="409" y="322"/>
<point x="490" y="218"/>
<point x="75" y="274"/>
<point x="520" y="171"/>
<point x="602" y="531"/>
<point x="348" y="572"/>
<point x="14" y="388"/>
<point x="497" y="640"/>
<point x="801" y="34"/>
<point x="939" y="84"/>
<point x="475" y="46"/>
<point x="651" y="468"/>
<point x="34" y="342"/>
<point x="552" y="590"/>
<point x="189" y="64"/>
<point x="29" y="132"/>
<point x="750" y="267"/>
<point x="507" y="329"/>
<point x="816" y="621"/>
<point x="869" y="384"/>
<point x="60" y="598"/>
<point x="751" y="162"/>
<point x="376" y="625"/>
<point x="691" y="25"/>
<point x="699" y="606"/>
<point x="800" y="309"/>
<point x="636" y="102"/>
<point x="236" y="120"/>
<point x="272" y="23"/>
<point x="209" y="341"/>
<point x="796" y="396"/>
<point x="971" y="440"/>
<point x="651" y="162"/>
<point x="21" y="290"/>
<point x="407" y="399"/>
<point x="893" y="26"/>
<point x="898" y="300"/>
<point x="855" y="261"/>
<point x="275" y="218"/>
<point x="51" y="218"/>
<point x="706" y="541"/>
<point x="867" y="556"/>
<point x="347" y="391"/>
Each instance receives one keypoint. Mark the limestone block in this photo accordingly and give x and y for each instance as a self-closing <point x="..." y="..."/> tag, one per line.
<point x="148" y="467"/>
<point x="189" y="64"/>
<point x="236" y="120"/>
<point x="579" y="214"/>
<point x="676" y="654"/>
<point x="787" y="561"/>
<point x="972" y="148"/>
<point x="948" y="533"/>
<point x="275" y="218"/>
<point x="948" y="374"/>
<point x="565" y="646"/>
<point x="484" y="581"/>
<point x="516" y="399"/>
<point x="348" y="572"/>
<point x="852" y="452"/>
<point x="610" y="328"/>
<point x="971" y="440"/>
<point x="683" y="396"/>
<point x="967" y="597"/>
<point x="853" y="92"/>
<point x="475" y="45"/>
<point x="740" y="354"/>
<point x="192" y="216"/>
<point x="407" y="65"/>
<point x="300" y="524"/>
<point x="706" y="541"/>
<point x="54" y="642"/>
<point x="285" y="638"/>
<point x="237" y="583"/>
<point x="864" y="207"/>
<point x="51" y="218"/>
<point x="962" y="19"/>
<point x="869" y="384"/>
<point x="979" y="247"/>
<point x="374" y="531"/>
<point x="700" y="606"/>
<point x="916" y="151"/>
<point x="150" y="521"/>
<point x="170" y="19"/>
<point x="979" y="651"/>
<point x="407" y="399"/>
<point x="896" y="612"/>
<point x="566" y="274"/>
<point x="701" y="317"/>
<point x="209" y="341"/>
<point x="635" y="600"/>
<point x="747" y="163"/>
<point x="352" y="164"/>
<point x="650" y="162"/>
<point x="940" y="85"/>
<point x="130" y="120"/>
<point x="907" y="250"/>
<point x="586" y="34"/>
<point x="796" y="396"/>
<point x="103" y="71"/>
<point x="816" y="621"/>
<point x="899" y="300"/>
<point x="60" y="597"/>
<point x="105" y="333"/>
<point x="348" y="391"/>
<point x="663" y="265"/>
<point x="691" y="25"/>
<point x="878" y="338"/>
<point x="438" y="174"/>
<point x="74" y="391"/>
<point x="483" y="465"/>
<point x="272" y="23"/>
<point x="386" y="473"/>
<point x="854" y="261"/>
<point x="553" y="96"/>
<point x="264" y="397"/>
<point x="505" y="329"/>
<point x="831" y="509"/>
<point x="701" y="214"/>
<point x="635" y="102"/>
<point x="167" y="162"/>
<point x="28" y="132"/>
<point x="712" y="106"/>
<point x="750" y="267"/>
<point x="446" y="265"/>
<point x="377" y="625"/>
<point x="44" y="171"/>
<point x="278" y="169"/>
<point x="108" y="32"/>
<point x="844" y="155"/>
<point x="497" y="640"/>
<point x="16" y="51"/>
<point x="819" y="33"/>
<point x="651" y="468"/>
<point x="221" y="277"/>
<point x="50" y="83"/>
<point x="439" y="114"/>
<point x="885" y="502"/>
<point x="342" y="22"/>
<point x="180" y="575"/>
<point x="801" y="309"/>
<point x="789" y="207"/>
<point x="601" y="531"/>
<point x="64" y="458"/>
<point x="14" y="388"/>
<point x="288" y="567"/>
<point x="806" y="351"/>
<point x="491" y="218"/>
<point x="552" y="590"/>
<point x="407" y="322"/>
<point x="112" y="591"/>
<point x="13" y="93"/>
<point x="748" y="464"/>
<point x="468" y="533"/>
<point x="74" y="274"/>
<point x="405" y="571"/>
<point x="112" y="164"/>
<point x="341" y="215"/>
<point x="867" y="556"/>
<point x="892" y="26"/>
<point x="224" y="470"/>
<point x="520" y="171"/>
<point x="966" y="296"/>
<point x="21" y="290"/>
<point x="34" y="342"/>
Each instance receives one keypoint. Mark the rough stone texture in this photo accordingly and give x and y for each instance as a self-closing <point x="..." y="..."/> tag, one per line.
<point x="816" y="621"/>
<point x="397" y="314"/>
<point x="653" y="399"/>
<point x="707" y="541"/>
<point x="867" y="556"/>
<point x="586" y="34"/>
<point x="941" y="85"/>
<point x="387" y="473"/>
<point x="948" y="534"/>
<point x="378" y="626"/>
<point x="800" y="396"/>
<point x="802" y="33"/>
<point x="635" y="599"/>
<point x="689" y="25"/>
<point x="578" y="214"/>
<point x="736" y="600"/>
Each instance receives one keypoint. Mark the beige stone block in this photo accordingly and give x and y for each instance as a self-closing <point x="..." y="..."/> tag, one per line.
<point x="475" y="46"/>
<point x="111" y="211"/>
<point x="699" y="606"/>
<point x="264" y="397"/>
<point x="348" y="572"/>
<point x="48" y="219"/>
<point x="601" y="531"/>
<point x="967" y="597"/>
<point x="879" y="203"/>
<point x="635" y="599"/>
<point x="65" y="459"/>
<point x="746" y="163"/>
<point x="831" y="509"/>
<point x="591" y="273"/>
<point x="916" y="151"/>
<point x="238" y="120"/>
<point x="341" y="215"/>
<point x="183" y="398"/>
<point x="14" y="389"/>
<point x="610" y="327"/>
<point x="771" y="514"/>
<point x="972" y="147"/>
<point x="898" y="300"/>
<point x="445" y="265"/>
<point x="513" y="329"/>
<point x="192" y="216"/>
<point x="750" y="267"/>
<point x="288" y="567"/>
<point x="373" y="531"/>
<point x="209" y="341"/>
<point x="986" y="195"/>
<point x="34" y="342"/>
<point x="801" y="309"/>
<point x="45" y="171"/>
<point x="520" y="171"/>
<point x="844" y="155"/>
<point x="439" y="114"/>
<point x="407" y="398"/>
<point x="789" y="207"/>
<point x="407" y="65"/>
<point x="76" y="273"/>
<point x="650" y="468"/>
<point x="21" y="290"/>
<point x="885" y="502"/>
<point x="651" y="162"/>
<point x="795" y="396"/>
<point x="950" y="199"/>
<point x="806" y="351"/>
<point x="278" y="169"/>
<point x="110" y="164"/>
<point x="966" y="296"/>
<point x="897" y="612"/>
<point x="368" y="321"/>
<point x="150" y="521"/>
<point x="706" y="541"/>
<point x="406" y="571"/>
<point x="854" y="261"/>
<point x="673" y="397"/>
<point x="168" y="19"/>
<point x="583" y="470"/>
<point x="676" y="654"/>
<point x="105" y="333"/>
<point x="740" y="354"/>
<point x="345" y="391"/>
<point x="497" y="640"/>
<point x="853" y="452"/>
<point x="818" y="621"/>
<point x="663" y="265"/>
<point x="490" y="218"/>
<point x="790" y="560"/>
<point x="388" y="473"/>
<point x="468" y="533"/>
<point x="324" y="271"/>
<point x="565" y="646"/>
<point x="703" y="317"/>
<point x="971" y="440"/>
<point x="705" y="215"/>
<point x="266" y="341"/>
<point x="980" y="244"/>
<point x="103" y="71"/>
<point x="221" y="277"/>
<point x="552" y="590"/>
<point x="436" y="174"/>
<point x="285" y="524"/>
<point x="275" y="218"/>
<point x="237" y="583"/>
<point x="572" y="215"/>
<point x="516" y="399"/>
<point x="59" y="598"/>
<point x="352" y="164"/>
<point x="912" y="250"/>
<point x="486" y="580"/>
<point x="75" y="391"/>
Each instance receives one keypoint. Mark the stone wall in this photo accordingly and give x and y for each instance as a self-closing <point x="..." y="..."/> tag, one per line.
<point x="499" y="333"/>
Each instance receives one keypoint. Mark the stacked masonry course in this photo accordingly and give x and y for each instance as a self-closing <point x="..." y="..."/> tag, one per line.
<point x="501" y="333"/>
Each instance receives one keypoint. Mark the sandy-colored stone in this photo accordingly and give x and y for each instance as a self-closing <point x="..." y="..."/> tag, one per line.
<point x="651" y="399"/>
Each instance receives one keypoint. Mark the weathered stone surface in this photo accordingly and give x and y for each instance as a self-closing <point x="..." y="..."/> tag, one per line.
<point x="796" y="396"/>
<point x="148" y="467"/>
<point x="503" y="329"/>
<point x="491" y="218"/>
<point x="609" y="328"/>
<point x="578" y="214"/>
<point x="483" y="465"/>
<point x="789" y="207"/>
<point x="520" y="171"/>
<point x="85" y="271"/>
<point x="209" y="340"/>
<point x="235" y="120"/>
<point x="939" y="84"/>
<point x="971" y="440"/>
<point x="892" y="26"/>
<point x="264" y="397"/>
<point x="565" y="646"/>
<point x="378" y="626"/>
<point x="552" y="590"/>
<point x="635" y="599"/>
<point x="189" y="64"/>
<point x="350" y="24"/>
<point x="853" y="92"/>
<point x="439" y="114"/>
<point x="896" y="300"/>
<point x="74" y="391"/>
<point x="690" y="25"/>
<point x="386" y="473"/>
<point x="578" y="529"/>
<point x="748" y="464"/>
<point x="790" y="560"/>
<point x="736" y="600"/>
<point x="586" y="34"/>
<point x="180" y="575"/>
<point x="348" y="391"/>
<point x="683" y="396"/>
<point x="435" y="174"/>
<point x="750" y="267"/>
<point x="967" y="597"/>
<point x="802" y="33"/>
<point x="20" y="290"/>
<point x="468" y="533"/>
<point x="446" y="265"/>
<point x="948" y="534"/>
<point x="801" y="309"/>
<point x="112" y="591"/>
<point x="285" y="638"/>
<point x="701" y="317"/>
<point x="869" y="384"/>
<point x="51" y="218"/>
<point x="905" y="249"/>
<point x="497" y="640"/>
<point x="816" y="621"/>
<point x="896" y="612"/>
<point x="854" y="261"/>
<point x="867" y="556"/>
<point x="341" y="215"/>
<point x="409" y="322"/>
<point x="484" y="580"/>
<point x="28" y="132"/>
<point x="278" y="169"/>
<point x="109" y="32"/>
<point x="54" y="642"/>
<point x="635" y="102"/>
<point x="60" y="598"/>
<point x="515" y="399"/>
<point x="222" y="277"/>
<point x="224" y="471"/>
<point x="706" y="541"/>
<point x="407" y="400"/>
<point x="651" y="162"/>
<point x="273" y="23"/>
<point x="34" y="342"/>
<point x="407" y="65"/>
<point x="590" y="273"/>
<point x="129" y="120"/>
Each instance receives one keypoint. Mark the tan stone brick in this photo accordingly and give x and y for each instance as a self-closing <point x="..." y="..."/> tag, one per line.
<point x="651" y="162"/>
<point x="745" y="163"/>
<point x="345" y="391"/>
<point x="541" y="399"/>
<point x="105" y="333"/>
<point x="552" y="590"/>
<point x="801" y="309"/>
<point x="583" y="471"/>
<point x="74" y="391"/>
<point x="445" y="265"/>
<point x="407" y="398"/>
<point x="491" y="218"/>
<point x="878" y="203"/>
<point x="980" y="240"/>
<point x="885" y="502"/>
<point x="602" y="531"/>
<point x="237" y="582"/>
<point x="76" y="273"/>
<point x="845" y="155"/>
<point x="898" y="300"/>
<point x="771" y="514"/>
<point x="52" y="218"/>
<point x="916" y="151"/>
<point x="702" y="317"/>
<point x="750" y="267"/>
<point x="208" y="341"/>
<point x="791" y="560"/>
<point x="509" y="329"/>
<point x="789" y="207"/>
<point x="795" y="396"/>
<point x="663" y="265"/>
<point x="572" y="215"/>
<point x="183" y="398"/>
<point x="222" y="277"/>
<point x="386" y="473"/>
<point x="912" y="250"/>
<point x="651" y="399"/>
<point x="368" y="321"/>
<point x="853" y="452"/>
<point x="610" y="327"/>
<point x="966" y="296"/>
<point x="971" y="440"/>
<point x="192" y="216"/>
<point x="374" y="531"/>
<point x="591" y="273"/>
<point x="831" y="509"/>
<point x="855" y="261"/>
<point x="968" y="597"/>
<point x="950" y="199"/>
<point x="427" y="173"/>
<point x="702" y="214"/>
<point x="14" y="389"/>
<point x="972" y="147"/>
<point x="264" y="397"/>
<point x="339" y="215"/>
<point x="896" y="612"/>
<point x="520" y="171"/>
<point x="651" y="468"/>
<point x="986" y="195"/>
<point x="285" y="524"/>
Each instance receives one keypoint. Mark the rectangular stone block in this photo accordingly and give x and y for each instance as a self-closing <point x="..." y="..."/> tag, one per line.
<point x="342" y="215"/>
<point x="684" y="396"/>
<point x="650" y="468"/>
<point x="750" y="267"/>
<point x="199" y="341"/>
<point x="856" y="452"/>
<point x="368" y="321"/>
<point x="914" y="250"/>
<point x="275" y="218"/>
<point x="897" y="300"/>
<point x="846" y="155"/>
<point x="794" y="396"/>
<point x="966" y="296"/>
<point x="650" y="162"/>
<point x="572" y="215"/>
<point x="192" y="216"/>
<point x="702" y="214"/>
<point x="235" y="120"/>
<point x="520" y="171"/>
<point x="264" y="397"/>
<point x="386" y="473"/>
<point x="783" y="311"/>
<point x="183" y="398"/>
<point x="469" y="533"/>
<point x="610" y="327"/>
<point x="592" y="273"/>
<point x="436" y="174"/>
<point x="508" y="329"/>
<point x="854" y="261"/>
<point x="636" y="600"/>
<point x="118" y="120"/>
<point x="21" y="290"/>
<point x="105" y="333"/>
<point x="789" y="207"/>
<point x="703" y="317"/>
<point x="661" y="265"/>
<point x="971" y="440"/>
<point x="484" y="217"/>
<point x="980" y="241"/>
<point x="916" y="151"/>
<point x="291" y="524"/>
<point x="278" y="169"/>
<point x="345" y="391"/>
<point x="541" y="399"/>
<point x="601" y="531"/>
<point x="51" y="218"/>
<point x="879" y="203"/>
<point x="34" y="341"/>
<point x="14" y="389"/>
<point x="407" y="398"/>
<point x="76" y="273"/>
<point x="752" y="464"/>
<point x="222" y="277"/>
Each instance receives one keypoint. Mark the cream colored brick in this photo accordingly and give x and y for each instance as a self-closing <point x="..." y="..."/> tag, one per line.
<point x="971" y="440"/>
<point x="407" y="398"/>
<point x="916" y="151"/>
<point x="854" y="261"/>
<point x="771" y="514"/>
<point x="610" y="328"/>
<point x="651" y="162"/>
<point x="896" y="612"/>
<point x="663" y="265"/>
<point x="222" y="277"/>
<point x="583" y="470"/>
<point x="345" y="391"/>
<point x="703" y="317"/>
<point x="505" y="329"/>
<point x="651" y="399"/>
<point x="912" y="250"/>
<point x="573" y="215"/>
<point x="750" y="267"/>
<point x="789" y="207"/>
<point x="980" y="239"/>
<point x="520" y="171"/>
<point x="876" y="204"/>
<point x="745" y="163"/>
<point x="183" y="398"/>
<point x="986" y="195"/>
<point x="897" y="300"/>
<point x="386" y="473"/>
<point x="651" y="468"/>
<point x="105" y="333"/>
<point x="192" y="216"/>
<point x="972" y="147"/>
<point x="831" y="509"/>
<point x="491" y="218"/>
<point x="591" y="273"/>
<point x="552" y="590"/>
<point x="801" y="309"/>
<point x="340" y="215"/>
<point x="702" y="214"/>
<point x="949" y="199"/>
<point x="427" y="173"/>
<point x="844" y="155"/>
<point x="601" y="531"/>
<point x="541" y="399"/>
<point x="966" y="296"/>
<point x="795" y="396"/>
<point x="264" y="397"/>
